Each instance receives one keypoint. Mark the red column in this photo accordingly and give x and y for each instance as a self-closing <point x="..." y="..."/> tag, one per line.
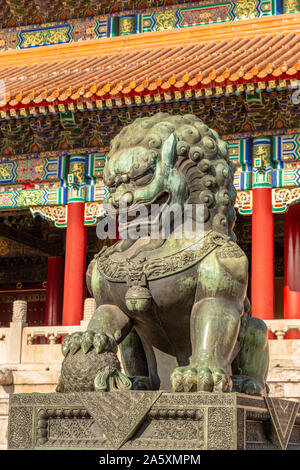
<point x="117" y="231"/>
<point x="75" y="265"/>
<point x="54" y="298"/>
<point x="292" y="266"/>
<point x="262" y="279"/>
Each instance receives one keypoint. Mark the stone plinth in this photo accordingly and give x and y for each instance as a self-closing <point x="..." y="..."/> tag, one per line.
<point x="152" y="420"/>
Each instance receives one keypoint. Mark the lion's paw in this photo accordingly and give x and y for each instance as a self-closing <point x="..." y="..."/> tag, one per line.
<point x="200" y="379"/>
<point x="87" y="340"/>
<point x="184" y="379"/>
<point x="249" y="385"/>
<point x="213" y="379"/>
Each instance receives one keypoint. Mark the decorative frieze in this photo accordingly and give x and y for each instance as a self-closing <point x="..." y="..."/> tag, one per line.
<point x="56" y="214"/>
<point x="286" y="177"/>
<point x="244" y="202"/>
<point x="128" y="25"/>
<point x="262" y="163"/>
<point x="120" y="24"/>
<point x="291" y="6"/>
<point x="76" y="178"/>
<point x="55" y="33"/>
<point x="30" y="198"/>
<point x="204" y="14"/>
<point x="89" y="131"/>
<point x="33" y="171"/>
<point x="240" y="153"/>
<point x="94" y="211"/>
<point x="286" y="148"/>
<point x="282" y="198"/>
<point x="44" y="36"/>
<point x="254" y="168"/>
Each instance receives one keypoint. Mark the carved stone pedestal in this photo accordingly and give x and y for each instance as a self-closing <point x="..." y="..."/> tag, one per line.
<point x="152" y="420"/>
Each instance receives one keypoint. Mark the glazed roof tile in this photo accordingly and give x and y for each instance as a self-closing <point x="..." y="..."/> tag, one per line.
<point x="195" y="65"/>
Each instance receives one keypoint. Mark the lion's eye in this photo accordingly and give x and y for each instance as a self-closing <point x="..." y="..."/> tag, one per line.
<point x="145" y="178"/>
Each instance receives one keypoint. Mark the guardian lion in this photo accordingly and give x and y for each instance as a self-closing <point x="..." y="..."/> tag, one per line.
<point x="176" y="306"/>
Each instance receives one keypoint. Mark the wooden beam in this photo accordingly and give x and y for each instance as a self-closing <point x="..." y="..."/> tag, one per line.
<point x="28" y="240"/>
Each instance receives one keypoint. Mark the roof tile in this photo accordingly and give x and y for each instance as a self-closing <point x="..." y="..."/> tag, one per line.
<point x="193" y="65"/>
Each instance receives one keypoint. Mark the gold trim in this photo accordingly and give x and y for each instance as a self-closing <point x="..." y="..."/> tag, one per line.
<point x="18" y="291"/>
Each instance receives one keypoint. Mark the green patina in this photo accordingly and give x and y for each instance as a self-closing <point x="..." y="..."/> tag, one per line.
<point x="177" y="306"/>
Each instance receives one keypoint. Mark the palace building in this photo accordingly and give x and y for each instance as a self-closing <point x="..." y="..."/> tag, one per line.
<point x="72" y="73"/>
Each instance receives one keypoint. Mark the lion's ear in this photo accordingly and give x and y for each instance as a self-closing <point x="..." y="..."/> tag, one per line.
<point x="168" y="149"/>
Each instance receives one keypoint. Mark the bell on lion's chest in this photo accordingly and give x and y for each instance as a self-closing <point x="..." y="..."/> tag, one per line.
<point x="138" y="299"/>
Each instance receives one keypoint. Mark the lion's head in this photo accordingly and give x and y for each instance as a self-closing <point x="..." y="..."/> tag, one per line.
<point x="173" y="159"/>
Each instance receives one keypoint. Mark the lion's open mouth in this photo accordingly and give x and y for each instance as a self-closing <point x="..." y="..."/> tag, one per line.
<point x="154" y="208"/>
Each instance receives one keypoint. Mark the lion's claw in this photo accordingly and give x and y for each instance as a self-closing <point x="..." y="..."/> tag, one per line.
<point x="103" y="342"/>
<point x="200" y="379"/>
<point x="88" y="340"/>
<point x="205" y="381"/>
<point x="75" y="342"/>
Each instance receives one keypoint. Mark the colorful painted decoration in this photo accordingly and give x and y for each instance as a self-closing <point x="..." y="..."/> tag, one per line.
<point x="56" y="214"/>
<point x="196" y="16"/>
<point x="33" y="197"/>
<point x="244" y="202"/>
<point x="291" y="6"/>
<point x="262" y="163"/>
<point x="118" y="24"/>
<point x="49" y="185"/>
<point x="94" y="211"/>
<point x="33" y="171"/>
<point x="87" y="131"/>
<point x="286" y="148"/>
<point x="282" y="198"/>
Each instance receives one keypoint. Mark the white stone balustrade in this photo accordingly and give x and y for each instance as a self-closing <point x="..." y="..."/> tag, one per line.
<point x="281" y="327"/>
<point x="51" y="333"/>
<point x="89" y="309"/>
<point x="34" y="367"/>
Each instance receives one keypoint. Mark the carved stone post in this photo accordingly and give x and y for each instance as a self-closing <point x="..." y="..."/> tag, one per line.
<point x="14" y="339"/>
<point x="89" y="310"/>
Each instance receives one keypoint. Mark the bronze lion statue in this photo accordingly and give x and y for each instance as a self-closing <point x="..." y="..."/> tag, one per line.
<point x="177" y="306"/>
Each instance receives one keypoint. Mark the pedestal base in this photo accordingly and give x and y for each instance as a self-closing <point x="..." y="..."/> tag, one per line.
<point x="152" y="420"/>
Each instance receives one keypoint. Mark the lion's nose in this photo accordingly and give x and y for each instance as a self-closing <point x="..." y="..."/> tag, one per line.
<point x="126" y="198"/>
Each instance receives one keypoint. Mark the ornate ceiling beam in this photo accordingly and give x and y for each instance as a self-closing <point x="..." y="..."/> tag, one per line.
<point x="29" y="240"/>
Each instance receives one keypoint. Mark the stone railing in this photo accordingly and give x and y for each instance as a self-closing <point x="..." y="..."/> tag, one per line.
<point x="19" y="345"/>
<point x="26" y="367"/>
<point x="17" y="342"/>
<point x="281" y="327"/>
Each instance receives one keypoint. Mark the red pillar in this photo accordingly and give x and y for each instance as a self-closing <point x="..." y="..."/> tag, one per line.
<point x="54" y="298"/>
<point x="292" y="266"/>
<point x="262" y="279"/>
<point x="75" y="265"/>
<point x="117" y="231"/>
